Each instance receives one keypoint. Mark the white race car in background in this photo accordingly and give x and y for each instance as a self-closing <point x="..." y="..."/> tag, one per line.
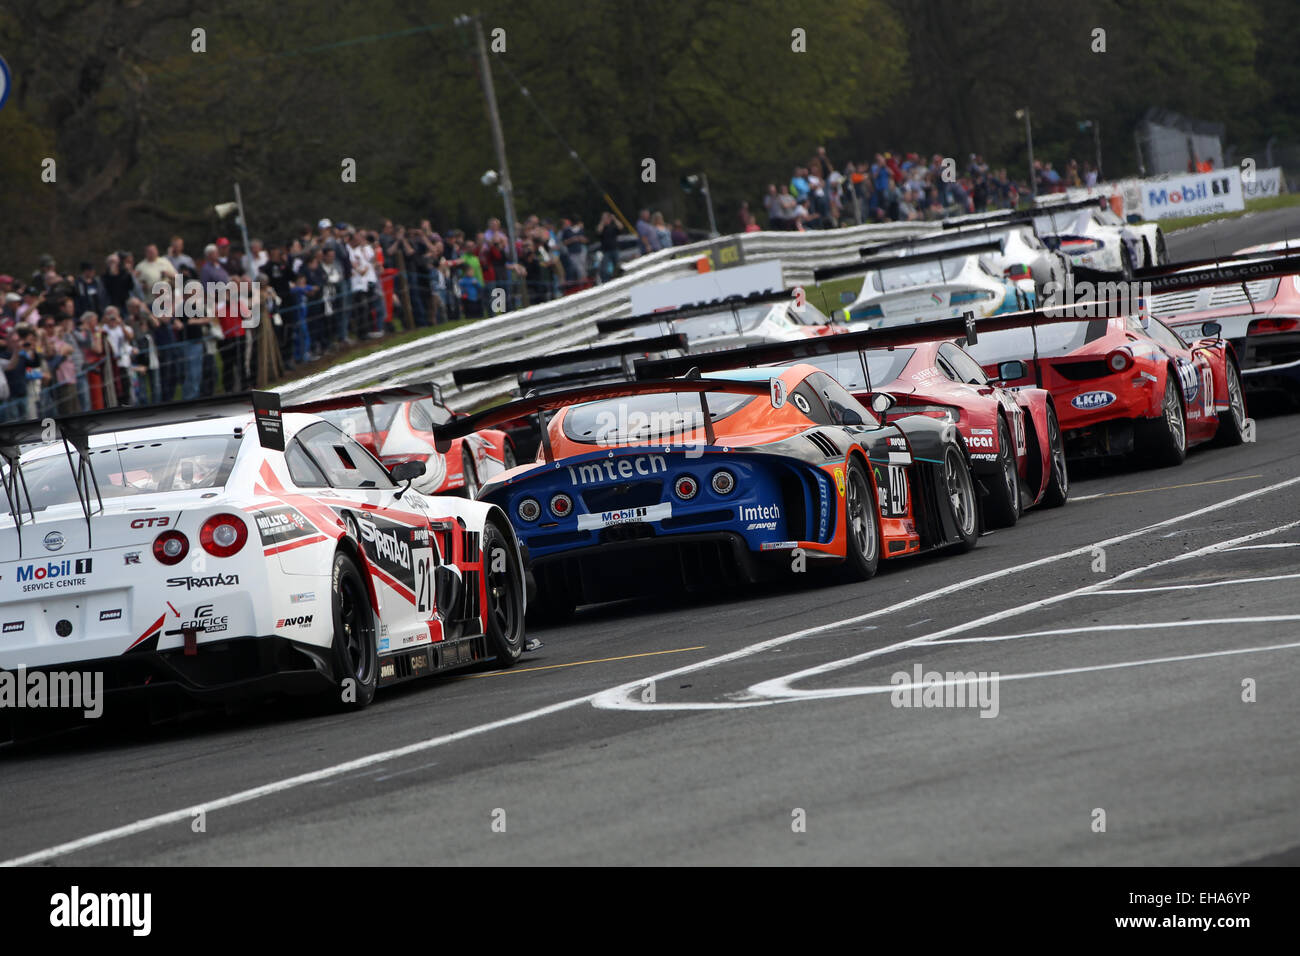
<point x="1094" y="237"/>
<point x="176" y="547"/>
<point x="1021" y="255"/>
<point x="945" y="284"/>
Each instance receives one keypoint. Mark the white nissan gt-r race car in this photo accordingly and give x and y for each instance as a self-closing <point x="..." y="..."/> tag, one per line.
<point x="226" y="553"/>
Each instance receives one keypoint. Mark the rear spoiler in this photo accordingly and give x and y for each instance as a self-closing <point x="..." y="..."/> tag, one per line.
<point x="369" y="398"/>
<point x="769" y="353"/>
<point x="873" y="263"/>
<point x="444" y="435"/>
<point x="1025" y="215"/>
<point x="1228" y="270"/>
<point x="605" y="326"/>
<point x="954" y="233"/>
<point x="486" y="373"/>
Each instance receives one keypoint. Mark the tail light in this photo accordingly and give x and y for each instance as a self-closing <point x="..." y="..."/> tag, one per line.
<point x="561" y="505"/>
<point x="1272" y="325"/>
<point x="528" y="509"/>
<point x="944" y="412"/>
<point x="1018" y="271"/>
<point x="686" y="487"/>
<point x="723" y="481"/>
<point x="1119" y="360"/>
<point x="1076" y="247"/>
<point x="223" y="535"/>
<point x="170" y="547"/>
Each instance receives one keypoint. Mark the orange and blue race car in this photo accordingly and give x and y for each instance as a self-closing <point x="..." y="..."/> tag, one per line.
<point x="700" y="481"/>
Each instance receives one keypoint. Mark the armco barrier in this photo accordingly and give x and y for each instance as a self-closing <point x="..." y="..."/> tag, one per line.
<point x="571" y="321"/>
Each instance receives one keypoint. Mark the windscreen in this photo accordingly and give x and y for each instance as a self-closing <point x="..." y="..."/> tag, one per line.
<point x="355" y="421"/>
<point x="1053" y="341"/>
<point x="646" y="418"/>
<point x="904" y="276"/>
<point x="883" y="365"/>
<point x="134" y="468"/>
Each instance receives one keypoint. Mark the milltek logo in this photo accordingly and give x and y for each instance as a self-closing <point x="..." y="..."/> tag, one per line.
<point x="211" y="581"/>
<point x="54" y="541"/>
<point x="293" y="621"/>
<point x="1090" y="400"/>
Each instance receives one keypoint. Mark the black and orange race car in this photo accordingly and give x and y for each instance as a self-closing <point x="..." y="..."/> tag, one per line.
<point x="704" y="480"/>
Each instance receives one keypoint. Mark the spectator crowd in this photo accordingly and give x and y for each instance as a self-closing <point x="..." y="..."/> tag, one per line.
<point x="896" y="187"/>
<point x="100" y="337"/>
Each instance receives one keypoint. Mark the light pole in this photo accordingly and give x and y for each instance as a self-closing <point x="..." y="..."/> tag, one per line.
<point x="1096" y="138"/>
<point x="494" y="121"/>
<point x="1029" y="139"/>
<point x="701" y="180"/>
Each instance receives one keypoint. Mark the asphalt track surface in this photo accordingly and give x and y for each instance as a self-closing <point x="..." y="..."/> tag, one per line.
<point x="706" y="731"/>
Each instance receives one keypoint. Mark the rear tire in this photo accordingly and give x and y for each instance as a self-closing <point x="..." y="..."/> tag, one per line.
<point x="468" y="476"/>
<point x="505" y="596"/>
<point x="1002" y="504"/>
<point x="959" y="489"/>
<point x="1232" y="423"/>
<point x="1166" y="436"/>
<point x="862" y="520"/>
<point x="1058" y="484"/>
<point x="1162" y="248"/>
<point x="354" y="650"/>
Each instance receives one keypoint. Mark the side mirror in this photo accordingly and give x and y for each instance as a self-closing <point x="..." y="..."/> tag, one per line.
<point x="882" y="402"/>
<point x="1010" y="371"/>
<point x="406" y="470"/>
<point x="1211" y="330"/>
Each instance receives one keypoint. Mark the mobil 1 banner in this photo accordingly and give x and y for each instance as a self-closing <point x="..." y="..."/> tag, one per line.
<point x="1198" y="194"/>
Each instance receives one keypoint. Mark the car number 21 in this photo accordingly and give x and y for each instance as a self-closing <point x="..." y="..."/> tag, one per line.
<point x="423" y="558"/>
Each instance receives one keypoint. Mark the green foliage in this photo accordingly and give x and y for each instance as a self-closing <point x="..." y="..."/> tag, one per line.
<point x="148" y="135"/>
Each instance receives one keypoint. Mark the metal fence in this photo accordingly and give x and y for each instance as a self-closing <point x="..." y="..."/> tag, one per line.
<point x="570" y="322"/>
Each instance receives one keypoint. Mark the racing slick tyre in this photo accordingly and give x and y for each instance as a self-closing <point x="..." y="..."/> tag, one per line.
<point x="354" y="651"/>
<point x="1058" y="483"/>
<point x="1162" y="249"/>
<point x="468" y="476"/>
<point x="963" y="505"/>
<point x="1126" y="261"/>
<point x="505" y="597"/>
<point x="1166" y="436"/>
<point x="508" y="458"/>
<point x="1002" y="504"/>
<point x="862" y="517"/>
<point x="1232" y="423"/>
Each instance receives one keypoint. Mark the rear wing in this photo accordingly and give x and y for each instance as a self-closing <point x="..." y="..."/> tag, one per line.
<point x="668" y="316"/>
<point x="368" y="398"/>
<point x="1043" y="211"/>
<point x="874" y="263"/>
<point x="620" y="350"/>
<point x="1227" y="270"/>
<point x="964" y="330"/>
<point x="444" y="435"/>
<point x="954" y="233"/>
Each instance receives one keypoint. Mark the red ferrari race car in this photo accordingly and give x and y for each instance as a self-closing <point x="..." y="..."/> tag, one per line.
<point x="1013" y="437"/>
<point x="1260" y="317"/>
<point x="395" y="425"/>
<point x="1125" y="383"/>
